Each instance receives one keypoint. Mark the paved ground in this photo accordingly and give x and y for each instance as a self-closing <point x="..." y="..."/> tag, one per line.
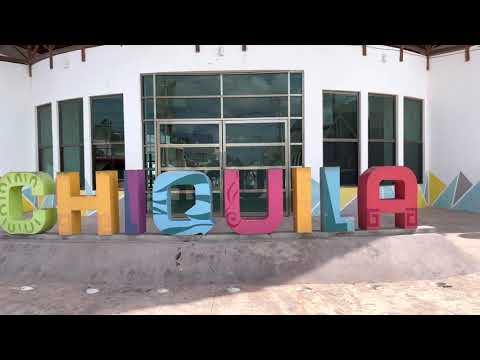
<point x="456" y="295"/>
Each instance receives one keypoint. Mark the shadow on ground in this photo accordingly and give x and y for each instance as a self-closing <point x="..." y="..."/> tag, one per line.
<point x="136" y="268"/>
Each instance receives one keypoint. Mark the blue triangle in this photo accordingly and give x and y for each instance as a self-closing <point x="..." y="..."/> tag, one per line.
<point x="315" y="198"/>
<point x="470" y="201"/>
<point x="444" y="201"/>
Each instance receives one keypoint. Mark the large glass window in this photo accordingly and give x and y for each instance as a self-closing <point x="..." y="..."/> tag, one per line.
<point x="381" y="130"/>
<point x="70" y="113"/>
<point x="44" y="131"/>
<point x="209" y="122"/>
<point x="108" y="135"/>
<point x="413" y="136"/>
<point x="340" y="134"/>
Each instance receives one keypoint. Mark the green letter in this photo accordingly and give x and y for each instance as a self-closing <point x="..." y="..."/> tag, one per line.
<point x="11" y="206"/>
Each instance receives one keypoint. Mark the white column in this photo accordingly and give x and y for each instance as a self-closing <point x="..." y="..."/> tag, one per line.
<point x="363" y="131"/>
<point x="87" y="141"/>
<point x="399" y="131"/>
<point x="55" y="138"/>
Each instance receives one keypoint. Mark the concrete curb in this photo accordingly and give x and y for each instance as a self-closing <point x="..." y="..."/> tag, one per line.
<point x="218" y="237"/>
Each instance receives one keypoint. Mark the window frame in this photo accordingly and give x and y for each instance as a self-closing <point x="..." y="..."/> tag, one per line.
<point x="345" y="140"/>
<point x="422" y="142"/>
<point x="394" y="141"/>
<point x="92" y="133"/>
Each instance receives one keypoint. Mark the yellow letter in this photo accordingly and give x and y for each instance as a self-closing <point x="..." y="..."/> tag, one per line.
<point x="70" y="203"/>
<point x="302" y="200"/>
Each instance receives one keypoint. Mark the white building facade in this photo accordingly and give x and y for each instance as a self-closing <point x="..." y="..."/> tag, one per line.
<point x="168" y="107"/>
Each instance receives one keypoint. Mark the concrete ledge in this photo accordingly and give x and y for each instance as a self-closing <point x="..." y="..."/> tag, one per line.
<point x="424" y="229"/>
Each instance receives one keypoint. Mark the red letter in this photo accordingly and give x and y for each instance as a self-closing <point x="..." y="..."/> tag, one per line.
<point x="404" y="206"/>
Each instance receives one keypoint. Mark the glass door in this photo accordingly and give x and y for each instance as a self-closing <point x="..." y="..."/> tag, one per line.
<point x="191" y="146"/>
<point x="253" y="147"/>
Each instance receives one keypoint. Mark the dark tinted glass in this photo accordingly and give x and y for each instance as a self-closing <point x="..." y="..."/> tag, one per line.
<point x="256" y="156"/>
<point x="255" y="84"/>
<point x="71" y="122"/>
<point x="296" y="133"/>
<point x="255" y="107"/>
<point x="255" y="133"/>
<point x="190" y="157"/>
<point x="149" y="133"/>
<point x="188" y="108"/>
<point x="412" y="120"/>
<point x="187" y="85"/>
<point x="107" y="119"/>
<point x="147" y="85"/>
<point x="45" y="157"/>
<point x="255" y="179"/>
<point x="296" y="106"/>
<point x="296" y="83"/>
<point x="344" y="155"/>
<point x="109" y="157"/>
<point x="296" y="155"/>
<point x="189" y="134"/>
<point x="413" y="159"/>
<point x="381" y="154"/>
<point x="44" y="122"/>
<point x="340" y="116"/>
<point x="72" y="161"/>
<point x="381" y="117"/>
<point x="147" y="109"/>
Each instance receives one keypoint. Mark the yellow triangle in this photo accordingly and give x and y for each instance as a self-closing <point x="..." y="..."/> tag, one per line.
<point x="435" y="187"/>
<point x="27" y="207"/>
<point x="421" y="203"/>
<point x="347" y="194"/>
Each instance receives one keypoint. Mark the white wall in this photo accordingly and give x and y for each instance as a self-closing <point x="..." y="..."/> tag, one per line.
<point x="17" y="119"/>
<point x="116" y="69"/>
<point x="454" y="88"/>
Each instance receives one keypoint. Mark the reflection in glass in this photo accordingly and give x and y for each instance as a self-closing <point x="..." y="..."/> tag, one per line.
<point x="149" y="133"/>
<point x="189" y="134"/>
<point x="296" y="133"/>
<point x="255" y="179"/>
<point x="344" y="155"/>
<point x="256" y="156"/>
<point x="340" y="116"/>
<point x="188" y="108"/>
<point x="255" y="84"/>
<point x="255" y="107"/>
<point x="296" y="155"/>
<point x="45" y="159"/>
<point x="381" y="117"/>
<point x="190" y="157"/>
<point x="109" y="157"/>
<point x="107" y="118"/>
<point x="381" y="154"/>
<point x="187" y="85"/>
<point x="255" y="133"/>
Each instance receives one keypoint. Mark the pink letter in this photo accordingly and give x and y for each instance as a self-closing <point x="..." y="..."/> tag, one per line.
<point x="265" y="225"/>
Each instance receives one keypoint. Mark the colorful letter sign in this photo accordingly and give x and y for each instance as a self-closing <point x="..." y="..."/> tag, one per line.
<point x="331" y="220"/>
<point x="70" y="203"/>
<point x="404" y="206"/>
<point x="199" y="216"/>
<point x="135" y="202"/>
<point x="11" y="207"/>
<point x="302" y="200"/>
<point x="265" y="225"/>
